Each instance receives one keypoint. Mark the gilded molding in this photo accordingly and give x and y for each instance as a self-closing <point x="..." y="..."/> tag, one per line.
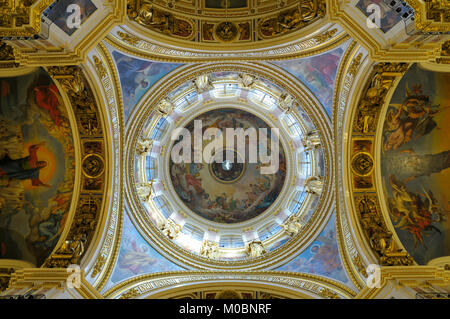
<point x="431" y="15"/>
<point x="329" y="37"/>
<point x="110" y="238"/>
<point x="345" y="80"/>
<point x="146" y="285"/>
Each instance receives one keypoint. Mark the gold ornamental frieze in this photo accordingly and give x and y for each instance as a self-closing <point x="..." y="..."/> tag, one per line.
<point x="206" y="25"/>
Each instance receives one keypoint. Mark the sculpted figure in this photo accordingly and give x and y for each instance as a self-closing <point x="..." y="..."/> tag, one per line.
<point x="203" y="83"/>
<point x="145" y="191"/>
<point x="293" y="225"/>
<point x="255" y="249"/>
<point x="286" y="102"/>
<point x="144" y="146"/>
<point x="209" y="249"/>
<point x="165" y="107"/>
<point x="170" y="229"/>
<point x="311" y="140"/>
<point x="246" y="80"/>
<point x="314" y="185"/>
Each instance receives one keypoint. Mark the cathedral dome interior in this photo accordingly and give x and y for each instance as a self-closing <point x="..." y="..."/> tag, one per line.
<point x="225" y="149"/>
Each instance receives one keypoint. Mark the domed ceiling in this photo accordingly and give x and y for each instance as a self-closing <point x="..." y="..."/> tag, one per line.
<point x="229" y="187"/>
<point x="218" y="172"/>
<point x="125" y="164"/>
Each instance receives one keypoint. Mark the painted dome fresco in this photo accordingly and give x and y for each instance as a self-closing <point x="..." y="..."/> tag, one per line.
<point x="230" y="187"/>
<point x="215" y="166"/>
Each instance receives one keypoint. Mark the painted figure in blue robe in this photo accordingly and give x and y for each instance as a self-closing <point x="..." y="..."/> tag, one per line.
<point x="24" y="168"/>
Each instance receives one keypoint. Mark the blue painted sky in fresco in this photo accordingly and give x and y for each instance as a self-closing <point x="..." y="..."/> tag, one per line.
<point x="137" y="76"/>
<point x="318" y="73"/>
<point x="321" y="257"/>
<point x="137" y="257"/>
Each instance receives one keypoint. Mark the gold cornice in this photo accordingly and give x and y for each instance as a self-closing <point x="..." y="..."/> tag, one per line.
<point x="75" y="49"/>
<point x="381" y="52"/>
<point x="411" y="276"/>
<point x="35" y="279"/>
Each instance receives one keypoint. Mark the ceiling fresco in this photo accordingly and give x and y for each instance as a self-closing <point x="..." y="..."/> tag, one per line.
<point x="36" y="166"/>
<point x="90" y="117"/>
<point x="137" y="257"/>
<point x="322" y="257"/>
<point x="239" y="191"/>
<point x="137" y="76"/>
<point x="415" y="161"/>
<point x="318" y="73"/>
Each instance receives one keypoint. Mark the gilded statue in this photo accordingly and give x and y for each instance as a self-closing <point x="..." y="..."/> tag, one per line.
<point x="165" y="107"/>
<point x="144" y="190"/>
<point x="203" y="83"/>
<point x="246" y="80"/>
<point x="311" y="140"/>
<point x="255" y="249"/>
<point x="314" y="185"/>
<point x="209" y="249"/>
<point x="170" y="229"/>
<point x="286" y="102"/>
<point x="144" y="146"/>
<point x="293" y="225"/>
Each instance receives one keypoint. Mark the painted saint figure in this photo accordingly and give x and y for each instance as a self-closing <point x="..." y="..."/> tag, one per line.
<point x="24" y="168"/>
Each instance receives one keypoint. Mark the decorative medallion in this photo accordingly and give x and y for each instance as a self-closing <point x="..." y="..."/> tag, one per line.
<point x="93" y="165"/>
<point x="226" y="31"/>
<point x="362" y="164"/>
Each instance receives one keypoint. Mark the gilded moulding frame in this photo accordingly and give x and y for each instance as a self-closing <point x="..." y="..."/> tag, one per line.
<point x="100" y="263"/>
<point x="313" y="286"/>
<point x="347" y="81"/>
<point x="141" y="220"/>
<point x="131" y="41"/>
<point x="78" y="89"/>
<point x="378" y="140"/>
